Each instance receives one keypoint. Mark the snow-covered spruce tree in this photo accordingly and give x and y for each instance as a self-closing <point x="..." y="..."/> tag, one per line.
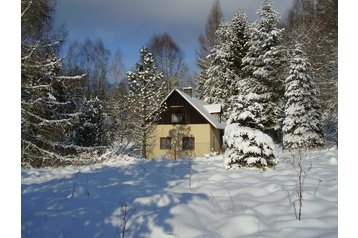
<point x="263" y="66"/>
<point x="146" y="92"/>
<point x="47" y="109"/>
<point x="217" y="87"/>
<point x="225" y="62"/>
<point x="302" y="126"/>
<point x="207" y="42"/>
<point x="246" y="144"/>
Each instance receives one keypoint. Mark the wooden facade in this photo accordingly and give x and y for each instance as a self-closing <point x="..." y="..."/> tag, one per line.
<point x="185" y="130"/>
<point x="176" y="104"/>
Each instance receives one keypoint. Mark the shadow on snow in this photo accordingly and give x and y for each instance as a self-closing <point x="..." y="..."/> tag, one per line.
<point x="91" y="204"/>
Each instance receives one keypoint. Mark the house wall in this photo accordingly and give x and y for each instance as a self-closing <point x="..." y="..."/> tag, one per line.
<point x="203" y="134"/>
<point x="215" y="139"/>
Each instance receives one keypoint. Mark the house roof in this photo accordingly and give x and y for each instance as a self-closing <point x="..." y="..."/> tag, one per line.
<point x="213" y="108"/>
<point x="203" y="108"/>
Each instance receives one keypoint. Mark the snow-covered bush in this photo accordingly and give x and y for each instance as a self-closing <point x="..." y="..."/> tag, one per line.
<point x="246" y="146"/>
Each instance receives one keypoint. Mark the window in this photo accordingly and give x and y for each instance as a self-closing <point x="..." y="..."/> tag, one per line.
<point x="188" y="143"/>
<point x="165" y="143"/>
<point x="177" y="117"/>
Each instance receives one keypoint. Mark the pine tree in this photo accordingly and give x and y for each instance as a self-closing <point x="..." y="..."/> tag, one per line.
<point x="263" y="63"/>
<point x="145" y="96"/>
<point x="302" y="124"/>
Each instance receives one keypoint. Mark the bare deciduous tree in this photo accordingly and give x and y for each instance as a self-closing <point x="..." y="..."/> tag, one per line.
<point x="92" y="59"/>
<point x="169" y="59"/>
<point x="209" y="39"/>
<point x="117" y="67"/>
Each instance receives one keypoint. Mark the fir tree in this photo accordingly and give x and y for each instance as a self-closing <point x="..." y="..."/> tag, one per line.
<point x="302" y="124"/>
<point x="145" y="96"/>
<point x="263" y="63"/>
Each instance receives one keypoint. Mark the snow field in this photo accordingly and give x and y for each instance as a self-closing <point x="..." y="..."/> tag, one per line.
<point x="245" y="202"/>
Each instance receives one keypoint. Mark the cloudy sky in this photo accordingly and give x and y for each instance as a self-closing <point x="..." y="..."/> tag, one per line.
<point x="129" y="24"/>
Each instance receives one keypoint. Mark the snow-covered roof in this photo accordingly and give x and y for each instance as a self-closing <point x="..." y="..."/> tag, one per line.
<point x="203" y="108"/>
<point x="213" y="108"/>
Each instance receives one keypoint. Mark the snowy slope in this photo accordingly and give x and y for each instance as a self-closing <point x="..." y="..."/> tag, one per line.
<point x="246" y="202"/>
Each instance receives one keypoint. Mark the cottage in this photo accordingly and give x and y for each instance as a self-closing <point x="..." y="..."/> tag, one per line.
<point x="188" y="127"/>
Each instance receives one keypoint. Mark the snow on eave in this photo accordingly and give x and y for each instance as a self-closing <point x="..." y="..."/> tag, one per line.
<point x="213" y="108"/>
<point x="200" y="107"/>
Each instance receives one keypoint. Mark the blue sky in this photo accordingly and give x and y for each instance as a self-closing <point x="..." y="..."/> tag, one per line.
<point x="129" y="24"/>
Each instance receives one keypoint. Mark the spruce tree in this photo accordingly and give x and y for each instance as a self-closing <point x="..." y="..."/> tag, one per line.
<point x="146" y="89"/>
<point x="225" y="62"/>
<point x="254" y="110"/>
<point x="302" y="124"/>
<point x="217" y="87"/>
<point x="246" y="144"/>
<point x="48" y="110"/>
<point x="207" y="42"/>
<point x="263" y="65"/>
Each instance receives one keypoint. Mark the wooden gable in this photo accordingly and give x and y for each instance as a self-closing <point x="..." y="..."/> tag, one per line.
<point x="176" y="104"/>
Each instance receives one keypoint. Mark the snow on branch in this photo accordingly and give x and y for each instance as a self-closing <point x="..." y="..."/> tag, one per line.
<point x="71" y="77"/>
<point x="46" y="121"/>
<point x="42" y="65"/>
<point x="27" y="8"/>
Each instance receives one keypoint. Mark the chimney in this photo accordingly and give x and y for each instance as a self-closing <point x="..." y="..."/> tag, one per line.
<point x="188" y="90"/>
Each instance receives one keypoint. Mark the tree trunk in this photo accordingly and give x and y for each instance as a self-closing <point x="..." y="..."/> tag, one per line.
<point x="144" y="145"/>
<point x="300" y="190"/>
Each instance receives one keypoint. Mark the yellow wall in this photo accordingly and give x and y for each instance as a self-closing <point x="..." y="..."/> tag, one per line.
<point x="203" y="133"/>
<point x="215" y="142"/>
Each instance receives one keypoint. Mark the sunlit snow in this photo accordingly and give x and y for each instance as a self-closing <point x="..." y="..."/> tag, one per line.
<point x="89" y="201"/>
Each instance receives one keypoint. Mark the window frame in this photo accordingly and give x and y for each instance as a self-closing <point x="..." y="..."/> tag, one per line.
<point x="190" y="146"/>
<point x="177" y="115"/>
<point x="165" y="143"/>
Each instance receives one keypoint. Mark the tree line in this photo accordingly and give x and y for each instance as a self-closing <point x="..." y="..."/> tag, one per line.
<point x="75" y="108"/>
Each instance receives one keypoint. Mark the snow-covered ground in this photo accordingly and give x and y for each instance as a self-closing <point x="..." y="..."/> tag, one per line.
<point x="90" y="201"/>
